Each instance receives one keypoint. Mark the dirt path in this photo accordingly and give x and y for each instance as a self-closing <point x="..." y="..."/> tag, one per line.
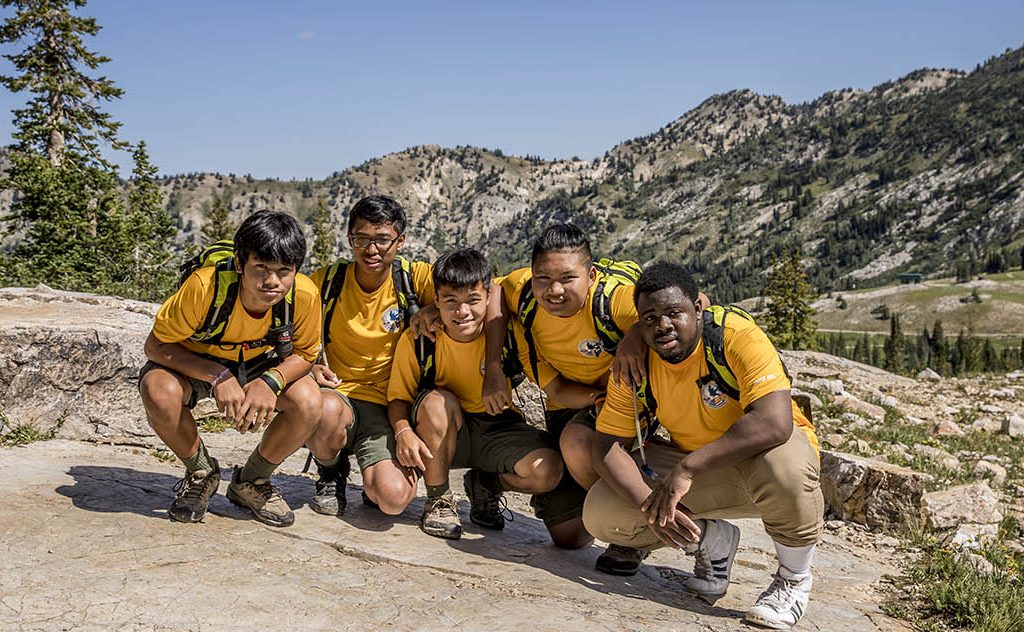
<point x="85" y="544"/>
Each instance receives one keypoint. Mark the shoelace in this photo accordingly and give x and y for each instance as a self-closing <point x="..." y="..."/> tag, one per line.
<point x="498" y="505"/>
<point x="779" y="593"/>
<point x="191" y="486"/>
<point x="268" y="491"/>
<point x="446" y="506"/>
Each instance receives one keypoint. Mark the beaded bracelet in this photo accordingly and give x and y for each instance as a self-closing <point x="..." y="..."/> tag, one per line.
<point x="223" y="375"/>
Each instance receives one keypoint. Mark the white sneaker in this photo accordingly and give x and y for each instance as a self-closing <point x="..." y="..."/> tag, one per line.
<point x="782" y="604"/>
<point x="713" y="559"/>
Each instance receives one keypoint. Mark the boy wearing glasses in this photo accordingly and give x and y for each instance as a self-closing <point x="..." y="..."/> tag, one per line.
<point x="366" y="320"/>
<point x="253" y="368"/>
<point x="746" y="451"/>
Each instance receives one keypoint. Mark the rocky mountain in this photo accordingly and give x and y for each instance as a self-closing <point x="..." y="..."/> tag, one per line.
<point x="915" y="175"/>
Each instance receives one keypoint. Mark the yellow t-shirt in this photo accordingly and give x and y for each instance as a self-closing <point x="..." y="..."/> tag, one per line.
<point x="571" y="345"/>
<point x="693" y="416"/>
<point x="365" y="327"/>
<point x="459" y="368"/>
<point x="185" y="311"/>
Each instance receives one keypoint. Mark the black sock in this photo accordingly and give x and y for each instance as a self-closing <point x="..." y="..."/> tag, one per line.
<point x="433" y="491"/>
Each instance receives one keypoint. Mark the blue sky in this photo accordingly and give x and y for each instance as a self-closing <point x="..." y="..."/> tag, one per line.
<point x="302" y="89"/>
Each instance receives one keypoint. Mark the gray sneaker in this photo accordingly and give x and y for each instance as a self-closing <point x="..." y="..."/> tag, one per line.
<point x="441" y="517"/>
<point x="193" y="494"/>
<point x="712" y="565"/>
<point x="784" y="602"/>
<point x="262" y="499"/>
<point x="329" y="498"/>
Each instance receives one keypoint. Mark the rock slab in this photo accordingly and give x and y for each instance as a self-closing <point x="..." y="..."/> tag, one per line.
<point x="870" y="492"/>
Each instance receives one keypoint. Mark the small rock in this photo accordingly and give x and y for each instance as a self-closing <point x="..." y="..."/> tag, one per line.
<point x="834" y="525"/>
<point x="853" y="421"/>
<point x="917" y="421"/>
<point x="947" y="428"/>
<point x="985" y="424"/>
<point x="834" y="440"/>
<point x="989" y="408"/>
<point x="887" y="541"/>
<point x="979" y="563"/>
<point x="928" y="374"/>
<point x="1015" y="375"/>
<point x="1002" y="393"/>
<point x="937" y="455"/>
<point x="860" y="407"/>
<point x="971" y="536"/>
<point x="995" y="473"/>
<point x="949" y="410"/>
<point x="862" y="446"/>
<point x="835" y="387"/>
<point x="888" y="401"/>
<point x="975" y="503"/>
<point x="1013" y="425"/>
<point x="901" y="451"/>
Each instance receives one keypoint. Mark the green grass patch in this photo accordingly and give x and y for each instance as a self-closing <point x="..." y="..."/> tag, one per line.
<point x="23" y="434"/>
<point x="940" y="591"/>
<point x="214" y="423"/>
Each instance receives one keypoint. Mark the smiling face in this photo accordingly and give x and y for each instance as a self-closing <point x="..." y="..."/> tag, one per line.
<point x="671" y="324"/>
<point x="264" y="283"/>
<point x="462" y="311"/>
<point x="374" y="246"/>
<point x="561" y="282"/>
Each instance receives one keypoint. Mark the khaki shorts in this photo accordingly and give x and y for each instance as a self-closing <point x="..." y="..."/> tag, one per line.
<point x="371" y="438"/>
<point x="201" y="389"/>
<point x="564" y="502"/>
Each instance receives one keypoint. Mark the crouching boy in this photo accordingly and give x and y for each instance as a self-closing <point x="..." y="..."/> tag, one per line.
<point x="243" y="331"/>
<point x="435" y="393"/>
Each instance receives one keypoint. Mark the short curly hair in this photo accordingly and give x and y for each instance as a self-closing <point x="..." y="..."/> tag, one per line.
<point x="663" y="274"/>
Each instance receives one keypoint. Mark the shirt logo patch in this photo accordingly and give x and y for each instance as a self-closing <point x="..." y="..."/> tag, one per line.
<point x="392" y="320"/>
<point x="590" y="348"/>
<point x="712" y="395"/>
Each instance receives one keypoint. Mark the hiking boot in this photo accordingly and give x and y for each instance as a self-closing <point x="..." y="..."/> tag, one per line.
<point x="441" y="517"/>
<point x="329" y="497"/>
<point x="782" y="604"/>
<point x="262" y="499"/>
<point x="193" y="494"/>
<point x="620" y="560"/>
<point x="487" y="506"/>
<point x="713" y="559"/>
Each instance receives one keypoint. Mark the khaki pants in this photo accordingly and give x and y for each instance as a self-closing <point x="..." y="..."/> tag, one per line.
<point x="779" y="486"/>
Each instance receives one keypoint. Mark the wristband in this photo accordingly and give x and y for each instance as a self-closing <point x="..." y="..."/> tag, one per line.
<point x="402" y="430"/>
<point x="599" y="400"/>
<point x="223" y="375"/>
<point x="271" y="381"/>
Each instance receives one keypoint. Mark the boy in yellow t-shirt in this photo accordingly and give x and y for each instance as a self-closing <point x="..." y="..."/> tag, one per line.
<point x="251" y="367"/>
<point x="367" y="318"/>
<point x="740" y="449"/>
<point x="435" y="394"/>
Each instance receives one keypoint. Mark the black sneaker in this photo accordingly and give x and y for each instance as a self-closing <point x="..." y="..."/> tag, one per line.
<point x="193" y="494"/>
<point x="487" y="506"/>
<point x="329" y="497"/>
<point x="620" y="560"/>
<point x="441" y="517"/>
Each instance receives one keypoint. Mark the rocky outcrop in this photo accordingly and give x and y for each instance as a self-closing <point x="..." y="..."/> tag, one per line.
<point x="70" y="361"/>
<point x="965" y="504"/>
<point x="869" y="492"/>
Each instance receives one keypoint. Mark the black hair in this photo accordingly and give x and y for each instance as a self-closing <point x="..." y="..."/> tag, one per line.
<point x="271" y="236"/>
<point x="462" y="269"/>
<point x="378" y="209"/>
<point x="662" y="274"/>
<point x="562" y="238"/>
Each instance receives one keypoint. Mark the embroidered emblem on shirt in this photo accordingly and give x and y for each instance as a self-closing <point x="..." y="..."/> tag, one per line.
<point x="590" y="348"/>
<point x="392" y="320"/>
<point x="712" y="395"/>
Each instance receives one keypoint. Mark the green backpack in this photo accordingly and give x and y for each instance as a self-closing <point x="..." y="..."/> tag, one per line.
<point x="226" y="282"/>
<point x="334" y="281"/>
<point x="719" y="371"/>
<point x="611" y="275"/>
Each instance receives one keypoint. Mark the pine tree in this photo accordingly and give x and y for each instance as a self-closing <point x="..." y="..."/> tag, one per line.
<point x="895" y="347"/>
<point x="939" y="349"/>
<point x="217" y="226"/>
<point x="789" y="318"/>
<point x="152" y="247"/>
<point x="69" y="204"/>
<point x="325" y="242"/>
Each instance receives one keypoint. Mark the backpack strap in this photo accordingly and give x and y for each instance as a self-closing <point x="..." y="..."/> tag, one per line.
<point x="610" y="277"/>
<point x="225" y="293"/>
<point x="527" y="314"/>
<point x="644" y="394"/>
<point x="426" y="349"/>
<point x="401" y="277"/>
<point x="212" y="254"/>
<point x="511" y="365"/>
<point x="330" y="290"/>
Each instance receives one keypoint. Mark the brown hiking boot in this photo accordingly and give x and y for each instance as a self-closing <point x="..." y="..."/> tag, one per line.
<point x="194" y="493"/>
<point x="262" y="499"/>
<point x="441" y="517"/>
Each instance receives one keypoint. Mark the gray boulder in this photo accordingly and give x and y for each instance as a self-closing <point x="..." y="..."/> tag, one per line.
<point x="974" y="503"/>
<point x="870" y="492"/>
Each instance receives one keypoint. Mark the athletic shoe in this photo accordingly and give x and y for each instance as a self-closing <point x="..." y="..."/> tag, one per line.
<point x="194" y="493"/>
<point x="441" y="517"/>
<point x="713" y="559"/>
<point x="620" y="560"/>
<point x="782" y="604"/>
<point x="487" y="506"/>
<point x="262" y="499"/>
<point x="329" y="497"/>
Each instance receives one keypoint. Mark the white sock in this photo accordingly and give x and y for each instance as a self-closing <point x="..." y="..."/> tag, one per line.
<point x="795" y="559"/>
